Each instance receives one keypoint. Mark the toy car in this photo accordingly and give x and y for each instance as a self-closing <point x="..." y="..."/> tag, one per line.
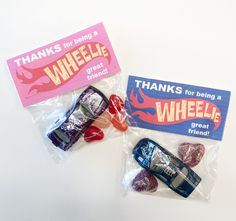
<point x="165" y="166"/>
<point x="67" y="130"/>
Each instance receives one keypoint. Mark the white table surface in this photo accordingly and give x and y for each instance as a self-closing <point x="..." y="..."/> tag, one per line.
<point x="183" y="41"/>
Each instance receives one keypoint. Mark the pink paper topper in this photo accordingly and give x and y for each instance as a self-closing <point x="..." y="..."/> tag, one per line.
<point x="62" y="66"/>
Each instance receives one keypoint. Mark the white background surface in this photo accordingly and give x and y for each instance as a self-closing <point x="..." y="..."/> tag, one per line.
<point x="184" y="41"/>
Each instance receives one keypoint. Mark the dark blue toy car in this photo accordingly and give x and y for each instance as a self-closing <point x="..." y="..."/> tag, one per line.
<point x="165" y="166"/>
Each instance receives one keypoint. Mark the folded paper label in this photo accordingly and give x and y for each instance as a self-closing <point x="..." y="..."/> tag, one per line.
<point x="72" y="62"/>
<point x="177" y="108"/>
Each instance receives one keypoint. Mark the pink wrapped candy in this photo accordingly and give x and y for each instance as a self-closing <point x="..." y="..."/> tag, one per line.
<point x="103" y="121"/>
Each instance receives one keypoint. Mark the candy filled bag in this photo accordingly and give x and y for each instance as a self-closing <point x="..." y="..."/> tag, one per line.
<point x="87" y="115"/>
<point x="172" y="179"/>
<point x="172" y="144"/>
<point x="72" y="88"/>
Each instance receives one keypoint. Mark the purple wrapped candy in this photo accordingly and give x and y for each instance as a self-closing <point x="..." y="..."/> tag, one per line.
<point x="191" y="154"/>
<point x="67" y="130"/>
<point x="144" y="181"/>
